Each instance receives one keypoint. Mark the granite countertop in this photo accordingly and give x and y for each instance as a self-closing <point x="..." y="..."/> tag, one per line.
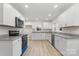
<point x="66" y="35"/>
<point x="9" y="38"/>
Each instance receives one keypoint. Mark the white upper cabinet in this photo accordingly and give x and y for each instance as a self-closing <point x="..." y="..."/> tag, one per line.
<point x="71" y="16"/>
<point x="47" y="25"/>
<point x="1" y="13"/>
<point x="8" y="14"/>
<point x="68" y="18"/>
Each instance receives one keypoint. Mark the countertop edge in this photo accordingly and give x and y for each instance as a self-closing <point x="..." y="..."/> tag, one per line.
<point x="66" y="35"/>
<point x="9" y="38"/>
<point x="70" y="34"/>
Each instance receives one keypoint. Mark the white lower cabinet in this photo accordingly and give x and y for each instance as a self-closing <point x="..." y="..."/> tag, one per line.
<point x="57" y="42"/>
<point x="73" y="47"/>
<point x="67" y="46"/>
<point x="41" y="36"/>
<point x="5" y="48"/>
<point x="60" y="44"/>
<point x="10" y="48"/>
<point x="48" y="36"/>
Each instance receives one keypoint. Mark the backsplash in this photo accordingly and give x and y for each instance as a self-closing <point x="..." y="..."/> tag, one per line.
<point x="4" y="30"/>
<point x="74" y="30"/>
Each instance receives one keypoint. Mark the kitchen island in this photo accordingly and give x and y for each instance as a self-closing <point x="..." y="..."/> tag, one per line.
<point x="67" y="43"/>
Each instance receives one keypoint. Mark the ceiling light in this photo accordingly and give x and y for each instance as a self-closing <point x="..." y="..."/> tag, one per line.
<point x="55" y="6"/>
<point x="49" y="15"/>
<point x="26" y="6"/>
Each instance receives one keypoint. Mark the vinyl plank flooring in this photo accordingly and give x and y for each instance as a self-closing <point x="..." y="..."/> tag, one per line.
<point x="41" y="48"/>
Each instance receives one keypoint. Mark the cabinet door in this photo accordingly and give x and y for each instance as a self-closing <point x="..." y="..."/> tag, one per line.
<point x="48" y="37"/>
<point x="5" y="48"/>
<point x="57" y="45"/>
<point x="63" y="47"/>
<point x="1" y="13"/>
<point x="8" y="15"/>
<point x="17" y="47"/>
<point x="60" y="44"/>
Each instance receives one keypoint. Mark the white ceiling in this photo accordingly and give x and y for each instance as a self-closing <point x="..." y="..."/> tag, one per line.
<point x="41" y="10"/>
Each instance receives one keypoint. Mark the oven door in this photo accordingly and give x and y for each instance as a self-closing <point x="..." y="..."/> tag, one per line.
<point x="24" y="43"/>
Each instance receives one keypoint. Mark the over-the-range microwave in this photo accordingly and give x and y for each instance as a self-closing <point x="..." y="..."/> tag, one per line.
<point x="19" y="23"/>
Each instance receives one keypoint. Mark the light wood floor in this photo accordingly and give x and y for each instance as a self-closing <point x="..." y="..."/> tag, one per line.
<point x="41" y="48"/>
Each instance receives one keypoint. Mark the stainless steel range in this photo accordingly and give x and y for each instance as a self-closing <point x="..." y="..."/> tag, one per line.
<point x="24" y="43"/>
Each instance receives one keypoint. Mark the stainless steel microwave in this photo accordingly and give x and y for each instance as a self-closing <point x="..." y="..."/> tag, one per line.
<point x="19" y="23"/>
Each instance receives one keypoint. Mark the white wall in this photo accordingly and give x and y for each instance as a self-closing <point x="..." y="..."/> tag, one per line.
<point x="26" y="30"/>
<point x="68" y="18"/>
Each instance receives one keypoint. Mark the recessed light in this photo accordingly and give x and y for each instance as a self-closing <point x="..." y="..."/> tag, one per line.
<point x="55" y="6"/>
<point x="26" y="6"/>
<point x="49" y="15"/>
